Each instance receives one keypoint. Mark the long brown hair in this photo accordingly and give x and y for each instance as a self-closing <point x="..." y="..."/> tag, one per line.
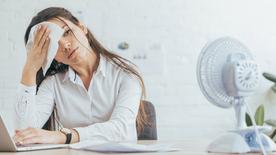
<point x="56" y="67"/>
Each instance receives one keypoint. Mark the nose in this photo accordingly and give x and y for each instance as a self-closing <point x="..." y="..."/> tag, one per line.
<point x="65" y="45"/>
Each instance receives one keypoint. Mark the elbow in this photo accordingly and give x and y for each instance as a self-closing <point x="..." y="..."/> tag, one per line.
<point x="124" y="131"/>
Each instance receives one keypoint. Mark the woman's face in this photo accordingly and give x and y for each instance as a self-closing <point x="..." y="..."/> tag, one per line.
<point x="73" y="45"/>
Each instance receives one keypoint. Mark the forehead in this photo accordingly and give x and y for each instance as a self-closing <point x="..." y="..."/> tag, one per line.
<point x="61" y="22"/>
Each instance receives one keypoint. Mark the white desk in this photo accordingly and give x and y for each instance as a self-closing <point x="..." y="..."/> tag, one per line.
<point x="190" y="147"/>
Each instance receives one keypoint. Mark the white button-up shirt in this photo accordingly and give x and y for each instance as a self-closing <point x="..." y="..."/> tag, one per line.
<point x="106" y="111"/>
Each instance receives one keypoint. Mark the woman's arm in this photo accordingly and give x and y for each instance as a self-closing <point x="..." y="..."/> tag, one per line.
<point x="36" y="54"/>
<point x="26" y="100"/>
<point x="33" y="110"/>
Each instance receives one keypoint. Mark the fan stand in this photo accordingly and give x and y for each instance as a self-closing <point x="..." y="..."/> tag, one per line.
<point x="243" y="139"/>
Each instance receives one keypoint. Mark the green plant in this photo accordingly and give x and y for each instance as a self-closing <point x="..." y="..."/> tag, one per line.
<point x="259" y="119"/>
<point x="272" y="123"/>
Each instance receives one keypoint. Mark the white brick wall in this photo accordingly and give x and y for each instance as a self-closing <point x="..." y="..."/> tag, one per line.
<point x="170" y="33"/>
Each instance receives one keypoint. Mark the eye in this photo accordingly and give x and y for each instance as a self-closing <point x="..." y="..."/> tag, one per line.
<point x="67" y="32"/>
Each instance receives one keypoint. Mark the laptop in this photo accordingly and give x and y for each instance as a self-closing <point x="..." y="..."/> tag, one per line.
<point x="7" y="144"/>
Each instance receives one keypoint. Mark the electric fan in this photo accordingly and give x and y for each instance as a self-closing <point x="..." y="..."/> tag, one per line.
<point x="227" y="74"/>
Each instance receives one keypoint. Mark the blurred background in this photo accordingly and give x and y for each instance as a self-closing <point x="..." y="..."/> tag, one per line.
<point x="164" y="38"/>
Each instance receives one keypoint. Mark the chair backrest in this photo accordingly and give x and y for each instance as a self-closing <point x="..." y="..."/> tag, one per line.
<point x="149" y="131"/>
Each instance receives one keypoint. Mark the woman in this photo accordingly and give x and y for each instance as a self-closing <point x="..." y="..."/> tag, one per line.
<point x="96" y="93"/>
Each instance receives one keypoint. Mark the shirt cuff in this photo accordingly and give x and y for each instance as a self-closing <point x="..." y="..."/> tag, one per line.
<point x="27" y="89"/>
<point x="83" y="134"/>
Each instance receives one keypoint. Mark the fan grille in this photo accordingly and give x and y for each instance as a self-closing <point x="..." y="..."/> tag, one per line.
<point x="210" y="68"/>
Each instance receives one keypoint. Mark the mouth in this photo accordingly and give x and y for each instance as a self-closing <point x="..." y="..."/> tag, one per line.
<point x="72" y="52"/>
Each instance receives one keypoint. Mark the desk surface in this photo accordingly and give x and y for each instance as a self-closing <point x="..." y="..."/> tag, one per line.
<point x="190" y="147"/>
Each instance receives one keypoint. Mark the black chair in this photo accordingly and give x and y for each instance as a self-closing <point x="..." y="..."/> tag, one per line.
<point x="149" y="131"/>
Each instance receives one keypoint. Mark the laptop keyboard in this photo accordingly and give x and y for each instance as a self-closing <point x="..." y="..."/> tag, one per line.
<point x="35" y="145"/>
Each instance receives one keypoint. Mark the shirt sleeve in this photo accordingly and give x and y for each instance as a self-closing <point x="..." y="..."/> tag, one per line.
<point x="34" y="109"/>
<point x="122" y="124"/>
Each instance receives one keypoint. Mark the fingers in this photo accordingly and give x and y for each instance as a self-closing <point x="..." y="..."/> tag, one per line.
<point x="32" y="140"/>
<point x="44" y="37"/>
<point x="23" y="138"/>
<point x="39" y="32"/>
<point x="41" y="35"/>
<point x="45" y="47"/>
<point x="38" y="29"/>
<point x="22" y="135"/>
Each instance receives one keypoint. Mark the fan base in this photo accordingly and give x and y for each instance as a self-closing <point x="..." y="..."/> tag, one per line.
<point x="241" y="141"/>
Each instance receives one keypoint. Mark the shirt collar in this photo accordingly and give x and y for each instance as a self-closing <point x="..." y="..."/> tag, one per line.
<point x="102" y="66"/>
<point x="72" y="75"/>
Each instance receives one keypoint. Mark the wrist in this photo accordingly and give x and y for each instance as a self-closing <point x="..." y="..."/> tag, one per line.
<point x="30" y="68"/>
<point x="68" y="134"/>
<point x="61" y="138"/>
<point x="75" y="136"/>
<point x="28" y="76"/>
